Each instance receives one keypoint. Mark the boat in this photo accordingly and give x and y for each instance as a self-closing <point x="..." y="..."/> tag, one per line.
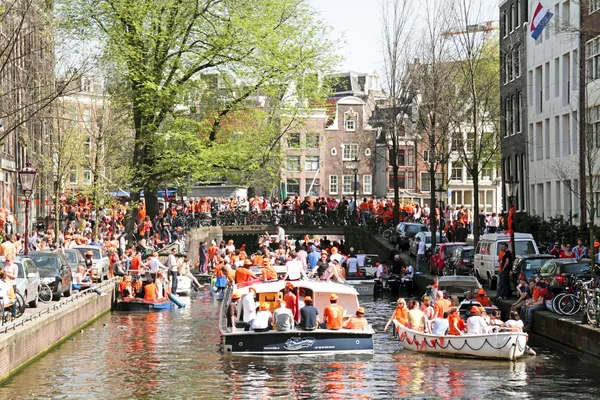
<point x="497" y="345"/>
<point x="296" y="341"/>
<point x="465" y="288"/>
<point x="365" y="286"/>
<point x="141" y="305"/>
<point x="215" y="294"/>
<point x="184" y="286"/>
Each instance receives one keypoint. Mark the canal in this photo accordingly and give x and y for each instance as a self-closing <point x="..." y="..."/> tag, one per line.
<point x="175" y="355"/>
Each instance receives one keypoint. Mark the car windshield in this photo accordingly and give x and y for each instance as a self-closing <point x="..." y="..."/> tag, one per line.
<point x="45" y="263"/>
<point x="576" y="268"/>
<point x="95" y="251"/>
<point x="72" y="257"/>
<point x="470" y="253"/>
<point x="534" y="265"/>
<point x="449" y="249"/>
<point x="549" y="268"/>
<point x="413" y="228"/>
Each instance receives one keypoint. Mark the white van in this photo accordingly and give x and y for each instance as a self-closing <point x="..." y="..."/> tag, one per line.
<point x="488" y="248"/>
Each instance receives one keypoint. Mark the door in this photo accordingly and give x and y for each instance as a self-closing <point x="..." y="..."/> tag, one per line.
<point x="484" y="260"/>
<point x="32" y="283"/>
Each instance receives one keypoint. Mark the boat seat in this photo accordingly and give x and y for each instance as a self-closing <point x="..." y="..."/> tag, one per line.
<point x="241" y="324"/>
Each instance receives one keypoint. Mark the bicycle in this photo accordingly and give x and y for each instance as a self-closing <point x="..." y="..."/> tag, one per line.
<point x="44" y="293"/>
<point x="20" y="304"/>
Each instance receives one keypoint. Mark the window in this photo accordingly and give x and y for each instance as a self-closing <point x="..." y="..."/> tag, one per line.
<point x="333" y="184"/>
<point x="592" y="59"/>
<point x="486" y="174"/>
<point x="401" y="181"/>
<point x="293" y="140"/>
<point x="517" y="61"/>
<point x="504" y="24"/>
<point x="456" y="141"/>
<point x="507" y="67"/>
<point x="312" y="140"/>
<point x="594" y="6"/>
<point x="350" y="152"/>
<point x="513" y="17"/>
<point x="426" y="181"/>
<point x="367" y="184"/>
<point x="519" y="17"/>
<point x="73" y="175"/>
<point x="517" y="113"/>
<point x="410" y="180"/>
<point x="401" y="158"/>
<point x="470" y="141"/>
<point x="293" y="187"/>
<point x="457" y="171"/>
<point x="312" y="188"/>
<point x="293" y="163"/>
<point x="350" y="120"/>
<point x="347" y="184"/>
<point x="426" y="154"/>
<point x="87" y="177"/>
<point x="311" y="163"/>
<point x="411" y="157"/>
<point x="87" y="146"/>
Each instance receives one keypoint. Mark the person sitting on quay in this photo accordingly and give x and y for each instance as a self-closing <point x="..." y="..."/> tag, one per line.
<point x="537" y="303"/>
<point x="309" y="315"/>
<point x="400" y="314"/>
<point x="359" y="322"/>
<point x="283" y="317"/>
<point x="263" y="320"/>
<point x="333" y="316"/>
<point x="523" y="293"/>
<point x="83" y="281"/>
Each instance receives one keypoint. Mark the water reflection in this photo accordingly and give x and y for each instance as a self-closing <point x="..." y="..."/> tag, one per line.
<point x="175" y="355"/>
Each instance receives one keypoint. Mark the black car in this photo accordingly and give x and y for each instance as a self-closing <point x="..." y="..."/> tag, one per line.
<point x="559" y="270"/>
<point x="404" y="232"/>
<point x="461" y="261"/>
<point x="54" y="270"/>
<point x="528" y="265"/>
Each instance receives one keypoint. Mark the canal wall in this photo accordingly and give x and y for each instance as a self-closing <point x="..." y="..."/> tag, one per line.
<point x="54" y="324"/>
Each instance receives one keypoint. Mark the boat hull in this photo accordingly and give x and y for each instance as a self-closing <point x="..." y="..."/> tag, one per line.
<point x="363" y="287"/>
<point x="139" y="305"/>
<point x="184" y="286"/>
<point x="298" y="342"/>
<point x="502" y="345"/>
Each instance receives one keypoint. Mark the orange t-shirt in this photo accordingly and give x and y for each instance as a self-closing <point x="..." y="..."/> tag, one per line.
<point x="333" y="314"/>
<point x="135" y="263"/>
<point x="269" y="273"/>
<point x="231" y="276"/>
<point x="356" y="323"/>
<point x="212" y="250"/>
<point x="257" y="260"/>
<point x="243" y="275"/>
<point x="150" y="292"/>
<point x="401" y="315"/>
<point x="290" y="301"/>
<point x="452" y="330"/>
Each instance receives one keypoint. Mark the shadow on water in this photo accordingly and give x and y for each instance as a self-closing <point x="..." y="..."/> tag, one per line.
<point x="175" y="355"/>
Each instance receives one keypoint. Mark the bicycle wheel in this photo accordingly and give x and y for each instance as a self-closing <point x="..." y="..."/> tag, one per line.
<point x="20" y="304"/>
<point x="568" y="305"/>
<point x="591" y="310"/>
<point x="556" y="301"/>
<point x="44" y="293"/>
<point x="386" y="234"/>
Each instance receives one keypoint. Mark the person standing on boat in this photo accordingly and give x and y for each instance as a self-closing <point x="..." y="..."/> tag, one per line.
<point x="249" y="306"/>
<point x="359" y="322"/>
<point x="263" y="320"/>
<point x="154" y="265"/>
<point x="289" y="297"/>
<point x="333" y="316"/>
<point x="295" y="270"/>
<point x="400" y="314"/>
<point x="283" y="317"/>
<point x="232" y="312"/>
<point x="441" y="305"/>
<point x="173" y="272"/>
<point x="476" y="325"/>
<point x="352" y="263"/>
<point x="281" y="236"/>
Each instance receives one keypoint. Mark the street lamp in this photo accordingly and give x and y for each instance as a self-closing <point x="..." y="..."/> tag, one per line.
<point x="441" y="191"/>
<point x="510" y="186"/>
<point x="27" y="180"/>
<point x="354" y="168"/>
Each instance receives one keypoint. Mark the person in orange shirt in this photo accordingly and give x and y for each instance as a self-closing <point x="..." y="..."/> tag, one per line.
<point x="289" y="297"/>
<point x="258" y="258"/>
<point x="454" y="322"/>
<point x="359" y="322"/>
<point x="333" y="316"/>
<point x="441" y="305"/>
<point x="150" y="291"/>
<point x="483" y="299"/>
<point x="400" y="314"/>
<point x="268" y="272"/>
<point x="243" y="273"/>
<point x="136" y="262"/>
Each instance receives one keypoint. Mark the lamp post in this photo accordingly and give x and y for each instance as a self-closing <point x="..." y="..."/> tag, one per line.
<point x="27" y="180"/>
<point x="354" y="168"/>
<point x="441" y="191"/>
<point x="511" y="189"/>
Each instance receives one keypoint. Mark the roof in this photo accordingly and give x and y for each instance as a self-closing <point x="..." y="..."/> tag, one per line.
<point x="351" y="100"/>
<point x="502" y="236"/>
<point x="316" y="287"/>
<point x="459" y="281"/>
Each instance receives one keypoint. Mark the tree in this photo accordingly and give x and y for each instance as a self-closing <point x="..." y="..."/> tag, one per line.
<point x="163" y="48"/>
<point x="476" y="120"/>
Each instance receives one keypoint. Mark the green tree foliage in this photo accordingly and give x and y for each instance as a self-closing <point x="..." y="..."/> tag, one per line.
<point x="163" y="50"/>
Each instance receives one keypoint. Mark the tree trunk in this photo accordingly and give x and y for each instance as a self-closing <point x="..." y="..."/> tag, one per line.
<point x="432" y="220"/>
<point x="475" y="211"/>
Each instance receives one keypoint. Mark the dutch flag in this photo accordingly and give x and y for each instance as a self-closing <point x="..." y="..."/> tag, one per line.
<point x="541" y="17"/>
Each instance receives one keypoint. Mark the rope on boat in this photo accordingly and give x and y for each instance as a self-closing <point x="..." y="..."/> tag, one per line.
<point x="439" y="343"/>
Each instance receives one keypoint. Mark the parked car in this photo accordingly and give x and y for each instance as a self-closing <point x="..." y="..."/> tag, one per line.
<point x="440" y="254"/>
<point x="460" y="262"/>
<point x="528" y="265"/>
<point x="55" y="271"/>
<point x="425" y="237"/>
<point x="75" y="259"/>
<point x="488" y="249"/>
<point x="101" y="264"/>
<point x="404" y="232"/>
<point x="28" y="280"/>
<point x="560" y="269"/>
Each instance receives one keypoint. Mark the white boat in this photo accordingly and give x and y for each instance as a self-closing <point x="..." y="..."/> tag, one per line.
<point x="296" y="341"/>
<point x="364" y="286"/>
<point x="184" y="286"/>
<point x="500" y="345"/>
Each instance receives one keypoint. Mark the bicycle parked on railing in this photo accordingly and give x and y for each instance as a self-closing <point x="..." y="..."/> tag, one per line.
<point x="569" y="303"/>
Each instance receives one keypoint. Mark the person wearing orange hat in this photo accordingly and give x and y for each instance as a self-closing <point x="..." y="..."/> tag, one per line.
<point x="264" y="319"/>
<point x="289" y="297"/>
<point x="483" y="299"/>
<point x="232" y="312"/>
<point x="243" y="273"/>
<point x="359" y="322"/>
<point x="283" y="317"/>
<point x="309" y="315"/>
<point x="333" y="316"/>
<point x="476" y="324"/>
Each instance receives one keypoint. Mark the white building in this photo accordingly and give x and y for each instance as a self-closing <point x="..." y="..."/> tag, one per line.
<point x="552" y="114"/>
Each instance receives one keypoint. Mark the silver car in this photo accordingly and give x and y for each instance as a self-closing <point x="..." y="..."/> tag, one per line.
<point x="100" y="268"/>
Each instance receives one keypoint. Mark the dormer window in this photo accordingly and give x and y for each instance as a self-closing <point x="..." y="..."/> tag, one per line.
<point x="350" y="120"/>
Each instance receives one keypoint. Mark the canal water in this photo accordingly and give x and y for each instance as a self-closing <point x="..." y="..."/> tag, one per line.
<point x="175" y="355"/>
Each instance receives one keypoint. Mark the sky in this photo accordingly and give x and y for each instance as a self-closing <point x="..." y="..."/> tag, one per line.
<point x="357" y="24"/>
